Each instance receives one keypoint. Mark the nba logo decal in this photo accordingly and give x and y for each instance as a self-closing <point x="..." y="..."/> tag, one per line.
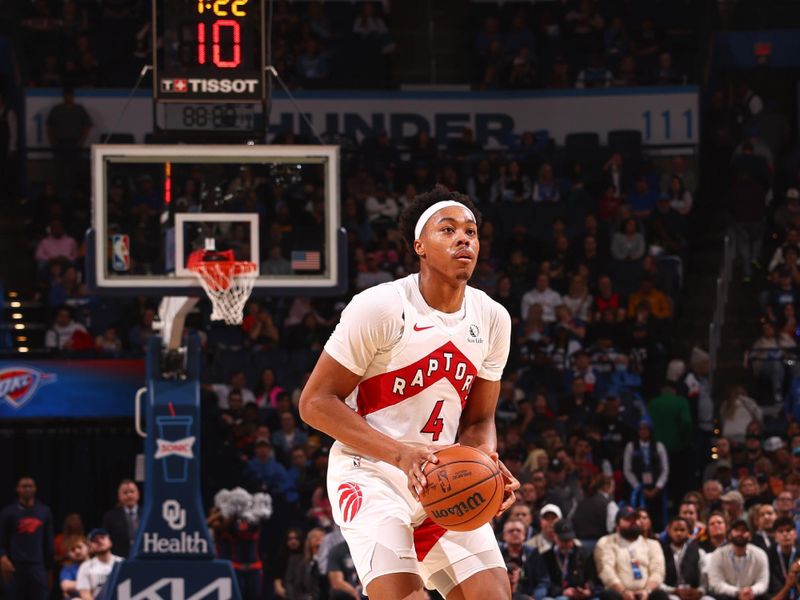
<point x="120" y="252"/>
<point x="350" y="498"/>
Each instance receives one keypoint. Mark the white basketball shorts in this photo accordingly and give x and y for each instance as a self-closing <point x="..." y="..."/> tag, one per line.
<point x="372" y="505"/>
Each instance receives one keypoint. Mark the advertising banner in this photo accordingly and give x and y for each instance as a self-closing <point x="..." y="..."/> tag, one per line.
<point x="664" y="115"/>
<point x="69" y="388"/>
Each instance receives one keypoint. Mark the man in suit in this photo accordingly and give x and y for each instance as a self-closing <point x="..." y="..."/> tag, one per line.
<point x="122" y="521"/>
<point x="782" y="553"/>
<point x="569" y="566"/>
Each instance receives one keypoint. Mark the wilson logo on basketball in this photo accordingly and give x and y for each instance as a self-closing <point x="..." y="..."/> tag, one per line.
<point x="461" y="508"/>
<point x="350" y="498"/>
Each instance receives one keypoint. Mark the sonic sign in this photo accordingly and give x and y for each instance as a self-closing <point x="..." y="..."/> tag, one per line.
<point x="69" y="388"/>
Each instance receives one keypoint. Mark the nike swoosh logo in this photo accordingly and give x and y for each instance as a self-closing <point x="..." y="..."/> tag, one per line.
<point x="418" y="328"/>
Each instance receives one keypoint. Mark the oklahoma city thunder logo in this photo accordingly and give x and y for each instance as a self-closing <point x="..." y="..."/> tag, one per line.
<point x="350" y="498"/>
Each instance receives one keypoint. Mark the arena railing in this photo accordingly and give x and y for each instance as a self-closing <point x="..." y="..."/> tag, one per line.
<point x="718" y="316"/>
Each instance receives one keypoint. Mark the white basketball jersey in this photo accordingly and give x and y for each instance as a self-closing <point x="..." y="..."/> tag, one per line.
<point x="417" y="364"/>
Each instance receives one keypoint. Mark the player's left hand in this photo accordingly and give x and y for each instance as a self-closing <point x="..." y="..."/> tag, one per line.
<point x="511" y="484"/>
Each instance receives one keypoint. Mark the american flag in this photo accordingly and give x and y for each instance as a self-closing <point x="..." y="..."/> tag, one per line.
<point x="304" y="260"/>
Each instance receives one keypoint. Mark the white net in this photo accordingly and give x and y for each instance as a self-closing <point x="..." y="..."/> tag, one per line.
<point x="228" y="285"/>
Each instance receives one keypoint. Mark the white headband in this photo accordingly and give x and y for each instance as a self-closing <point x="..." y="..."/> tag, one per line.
<point x="423" y="218"/>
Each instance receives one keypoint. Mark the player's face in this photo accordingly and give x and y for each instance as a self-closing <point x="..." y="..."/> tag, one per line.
<point x="449" y="243"/>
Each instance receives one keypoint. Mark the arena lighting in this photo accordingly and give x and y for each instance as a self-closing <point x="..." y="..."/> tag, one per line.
<point x="22" y="338"/>
<point x="19" y="325"/>
<point x="22" y="349"/>
<point x="13" y="294"/>
<point x="715" y="456"/>
<point x="16" y="315"/>
<point x="16" y="304"/>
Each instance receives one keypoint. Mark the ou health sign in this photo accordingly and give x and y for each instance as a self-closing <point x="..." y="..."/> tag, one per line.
<point x="69" y="389"/>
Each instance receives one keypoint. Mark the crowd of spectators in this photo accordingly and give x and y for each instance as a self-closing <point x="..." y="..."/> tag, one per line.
<point x="87" y="43"/>
<point x="583" y="44"/>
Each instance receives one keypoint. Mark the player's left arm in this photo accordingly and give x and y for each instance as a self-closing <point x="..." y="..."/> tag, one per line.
<point x="477" y="427"/>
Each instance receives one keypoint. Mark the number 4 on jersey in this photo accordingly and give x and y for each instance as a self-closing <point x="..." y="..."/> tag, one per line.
<point x="435" y="423"/>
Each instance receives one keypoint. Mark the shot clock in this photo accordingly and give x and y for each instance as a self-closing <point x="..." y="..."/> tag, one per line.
<point x="211" y="51"/>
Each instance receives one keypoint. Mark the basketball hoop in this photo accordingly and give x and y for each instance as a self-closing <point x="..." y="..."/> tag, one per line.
<point x="227" y="282"/>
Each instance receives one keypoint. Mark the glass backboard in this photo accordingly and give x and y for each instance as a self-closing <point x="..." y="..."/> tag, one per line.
<point x="153" y="205"/>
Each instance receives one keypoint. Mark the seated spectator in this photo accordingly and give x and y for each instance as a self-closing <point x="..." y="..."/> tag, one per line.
<point x="667" y="74"/>
<point x="93" y="573"/>
<point x="659" y="304"/>
<point x="381" y="208"/>
<point x="309" y="334"/>
<point x="511" y="185"/>
<point x="578" y="299"/>
<point x="642" y="199"/>
<point x="609" y="204"/>
<point x="57" y="244"/>
<point x="533" y="576"/>
<point x="519" y="36"/>
<point x="569" y="567"/>
<point x="563" y="489"/>
<point x="733" y="507"/>
<point x="683" y="561"/>
<point x="77" y="553"/>
<point x="768" y="357"/>
<point x="628" y="244"/>
<point x="342" y="577"/>
<point x="739" y="569"/>
<point x="666" y="228"/>
<point x="263" y="473"/>
<point x="66" y="334"/>
<point x="617" y="173"/>
<point x="546" y="187"/>
<point x="489" y="33"/>
<point x="716" y="533"/>
<point x="560" y="77"/>
<point x="783" y="554"/>
<point x="142" y="331"/>
<point x="263" y="333"/>
<point x="595" y="515"/>
<point x="368" y="26"/>
<point x="628" y="563"/>
<point x="108" y="342"/>
<point x="543" y="295"/>
<point x="238" y="381"/>
<point x="763" y="522"/>
<point x="523" y="73"/>
<point x="606" y="299"/>
<point x="479" y="185"/>
<point x="549" y="515"/>
<point x="736" y="412"/>
<point x="680" y="199"/>
<point x="627" y="73"/>
<point x="289" y="436"/>
<point x="595" y="74"/>
<point x="312" y="64"/>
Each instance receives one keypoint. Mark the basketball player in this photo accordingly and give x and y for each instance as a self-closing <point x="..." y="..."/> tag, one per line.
<point x="418" y="363"/>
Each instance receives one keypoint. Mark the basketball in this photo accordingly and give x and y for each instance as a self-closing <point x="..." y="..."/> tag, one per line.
<point x="465" y="489"/>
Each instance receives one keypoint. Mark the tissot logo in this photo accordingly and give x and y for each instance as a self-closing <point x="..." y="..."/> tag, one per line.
<point x="209" y="86"/>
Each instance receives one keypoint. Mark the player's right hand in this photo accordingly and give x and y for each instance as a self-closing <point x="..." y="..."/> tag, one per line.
<point x="412" y="461"/>
<point x="7" y="568"/>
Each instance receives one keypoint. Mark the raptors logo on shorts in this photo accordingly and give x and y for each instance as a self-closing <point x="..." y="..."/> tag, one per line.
<point x="350" y="498"/>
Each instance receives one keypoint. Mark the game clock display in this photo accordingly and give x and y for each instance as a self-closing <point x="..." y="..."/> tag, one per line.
<point x="211" y="50"/>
